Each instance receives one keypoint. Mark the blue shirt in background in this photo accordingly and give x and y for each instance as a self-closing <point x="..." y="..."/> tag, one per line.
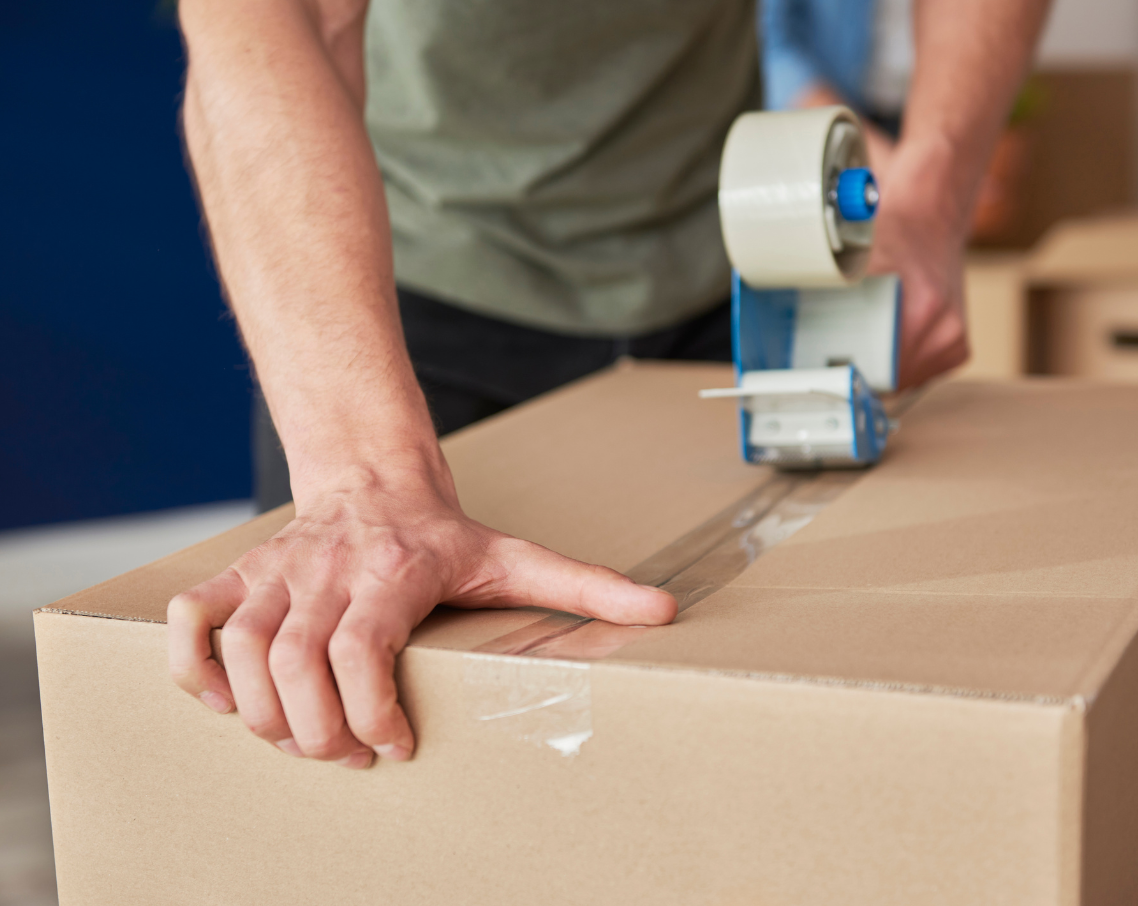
<point x="805" y="42"/>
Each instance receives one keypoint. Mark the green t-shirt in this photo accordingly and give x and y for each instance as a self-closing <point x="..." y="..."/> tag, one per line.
<point x="554" y="162"/>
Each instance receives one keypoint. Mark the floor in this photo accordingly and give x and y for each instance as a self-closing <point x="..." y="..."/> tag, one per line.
<point x="39" y="566"/>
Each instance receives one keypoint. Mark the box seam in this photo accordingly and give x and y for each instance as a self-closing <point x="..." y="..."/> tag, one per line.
<point x="1075" y="702"/>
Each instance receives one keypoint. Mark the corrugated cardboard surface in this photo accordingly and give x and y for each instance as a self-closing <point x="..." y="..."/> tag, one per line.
<point x="891" y="706"/>
<point x="694" y="789"/>
<point x="996" y="550"/>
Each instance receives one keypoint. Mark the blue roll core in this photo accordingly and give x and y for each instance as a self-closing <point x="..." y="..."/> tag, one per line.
<point x="857" y="194"/>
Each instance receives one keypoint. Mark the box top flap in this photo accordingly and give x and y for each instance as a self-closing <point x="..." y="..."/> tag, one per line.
<point x="993" y="550"/>
<point x="990" y="553"/>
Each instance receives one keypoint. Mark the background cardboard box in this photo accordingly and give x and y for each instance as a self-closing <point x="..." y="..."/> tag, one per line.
<point x="1083" y="284"/>
<point x="995" y="300"/>
<point x="1069" y="307"/>
<point x="928" y="694"/>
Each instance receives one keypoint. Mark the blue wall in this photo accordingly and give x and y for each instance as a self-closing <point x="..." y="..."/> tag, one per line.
<point x="122" y="383"/>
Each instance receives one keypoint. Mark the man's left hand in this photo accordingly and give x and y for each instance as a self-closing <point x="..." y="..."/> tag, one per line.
<point x="920" y="235"/>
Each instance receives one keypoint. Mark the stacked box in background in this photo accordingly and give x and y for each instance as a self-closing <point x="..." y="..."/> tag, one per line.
<point x="1069" y="307"/>
<point x="1083" y="295"/>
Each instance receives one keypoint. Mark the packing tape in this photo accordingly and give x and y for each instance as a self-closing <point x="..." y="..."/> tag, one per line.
<point x="546" y="703"/>
<point x="778" y="224"/>
<point x="691" y="568"/>
<point x="534" y="683"/>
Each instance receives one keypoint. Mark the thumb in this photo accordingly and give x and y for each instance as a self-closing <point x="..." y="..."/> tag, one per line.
<point x="536" y="576"/>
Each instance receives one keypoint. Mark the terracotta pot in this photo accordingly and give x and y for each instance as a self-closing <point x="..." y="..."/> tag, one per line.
<point x="1000" y="201"/>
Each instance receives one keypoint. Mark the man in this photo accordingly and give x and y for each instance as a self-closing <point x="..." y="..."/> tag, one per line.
<point x="550" y="167"/>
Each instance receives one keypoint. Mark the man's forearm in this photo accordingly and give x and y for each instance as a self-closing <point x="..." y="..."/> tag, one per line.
<point x="971" y="57"/>
<point x="294" y="199"/>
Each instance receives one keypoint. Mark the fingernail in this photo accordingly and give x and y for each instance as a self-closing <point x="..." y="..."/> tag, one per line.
<point x="393" y="752"/>
<point x="289" y="747"/>
<point x="218" y="702"/>
<point x="356" y="761"/>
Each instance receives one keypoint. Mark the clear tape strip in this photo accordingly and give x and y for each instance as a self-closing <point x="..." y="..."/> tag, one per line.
<point x="691" y="568"/>
<point x="534" y="684"/>
<point x="545" y="703"/>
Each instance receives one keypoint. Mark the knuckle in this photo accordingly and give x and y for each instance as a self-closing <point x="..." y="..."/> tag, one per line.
<point x="371" y="730"/>
<point x="349" y="647"/>
<point x="263" y="726"/>
<point x="391" y="559"/>
<point x="337" y="550"/>
<point x="183" y="675"/>
<point x="184" y="606"/>
<point x="351" y="650"/>
<point x="377" y="725"/>
<point x="243" y="632"/>
<point x="290" y="655"/>
<point x="324" y="565"/>
<point x="322" y="748"/>
<point x="255" y="562"/>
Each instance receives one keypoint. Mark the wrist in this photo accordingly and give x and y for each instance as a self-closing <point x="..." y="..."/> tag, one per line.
<point x="373" y="448"/>
<point x="355" y="432"/>
<point x="413" y="470"/>
<point x="932" y="178"/>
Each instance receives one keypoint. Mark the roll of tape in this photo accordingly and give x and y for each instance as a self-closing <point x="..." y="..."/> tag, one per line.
<point x="780" y="226"/>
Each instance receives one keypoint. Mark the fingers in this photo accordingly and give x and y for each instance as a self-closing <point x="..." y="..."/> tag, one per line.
<point x="311" y="668"/>
<point x="926" y="365"/>
<point x="190" y="617"/>
<point x="940" y="344"/>
<point x="298" y="664"/>
<point x="362" y="652"/>
<point x="934" y="332"/>
<point x="536" y="576"/>
<point x="245" y="643"/>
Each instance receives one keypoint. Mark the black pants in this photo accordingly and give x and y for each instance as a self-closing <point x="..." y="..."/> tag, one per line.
<point x="471" y="367"/>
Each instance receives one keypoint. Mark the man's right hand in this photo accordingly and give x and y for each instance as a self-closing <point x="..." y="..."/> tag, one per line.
<point x="312" y="620"/>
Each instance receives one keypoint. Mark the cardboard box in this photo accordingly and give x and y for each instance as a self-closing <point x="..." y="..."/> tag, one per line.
<point x="927" y="695"/>
<point x="995" y="300"/>
<point x="1093" y="332"/>
<point x="1084" y="299"/>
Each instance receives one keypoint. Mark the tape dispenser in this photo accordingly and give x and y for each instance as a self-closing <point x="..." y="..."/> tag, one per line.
<point x="814" y="339"/>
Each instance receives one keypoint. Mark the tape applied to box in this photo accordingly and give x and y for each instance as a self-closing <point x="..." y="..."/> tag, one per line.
<point x="534" y="684"/>
<point x="547" y="703"/>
